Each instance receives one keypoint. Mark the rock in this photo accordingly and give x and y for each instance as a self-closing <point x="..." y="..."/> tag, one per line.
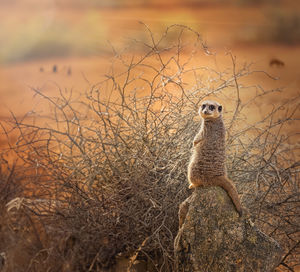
<point x="213" y="238"/>
<point x="2" y="260"/>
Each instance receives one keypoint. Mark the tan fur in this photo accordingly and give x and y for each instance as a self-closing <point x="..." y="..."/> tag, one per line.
<point x="207" y="164"/>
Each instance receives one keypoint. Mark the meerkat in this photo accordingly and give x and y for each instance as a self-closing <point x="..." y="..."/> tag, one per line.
<point x="207" y="164"/>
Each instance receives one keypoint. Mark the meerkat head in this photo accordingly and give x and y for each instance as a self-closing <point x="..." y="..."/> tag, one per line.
<point x="210" y="109"/>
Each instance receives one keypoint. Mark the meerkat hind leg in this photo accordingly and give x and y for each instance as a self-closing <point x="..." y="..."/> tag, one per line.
<point x="230" y="188"/>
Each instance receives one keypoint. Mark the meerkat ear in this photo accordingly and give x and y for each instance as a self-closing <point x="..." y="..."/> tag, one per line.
<point x="220" y="108"/>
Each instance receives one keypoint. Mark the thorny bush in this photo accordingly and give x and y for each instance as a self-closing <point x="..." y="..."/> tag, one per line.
<point x="108" y="167"/>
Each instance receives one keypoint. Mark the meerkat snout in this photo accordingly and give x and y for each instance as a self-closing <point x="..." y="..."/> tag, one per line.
<point x="210" y="109"/>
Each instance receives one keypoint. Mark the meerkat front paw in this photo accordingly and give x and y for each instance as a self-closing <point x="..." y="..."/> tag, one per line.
<point x="191" y="186"/>
<point x="195" y="143"/>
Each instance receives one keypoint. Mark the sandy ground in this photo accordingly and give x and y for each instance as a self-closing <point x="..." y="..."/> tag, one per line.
<point x="17" y="80"/>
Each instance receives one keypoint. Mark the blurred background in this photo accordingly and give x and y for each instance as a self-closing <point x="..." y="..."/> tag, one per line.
<point x="70" y="43"/>
<point x="64" y="47"/>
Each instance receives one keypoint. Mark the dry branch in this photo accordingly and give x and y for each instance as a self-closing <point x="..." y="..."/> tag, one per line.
<point x="116" y="158"/>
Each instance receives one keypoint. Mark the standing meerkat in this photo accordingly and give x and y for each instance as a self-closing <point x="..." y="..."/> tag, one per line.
<point x="207" y="164"/>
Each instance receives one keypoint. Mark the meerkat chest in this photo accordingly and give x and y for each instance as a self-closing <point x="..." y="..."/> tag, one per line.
<point x="209" y="155"/>
<point x="209" y="160"/>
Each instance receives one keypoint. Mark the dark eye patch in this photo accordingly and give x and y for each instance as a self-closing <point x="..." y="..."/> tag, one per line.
<point x="220" y="108"/>
<point x="211" y="107"/>
<point x="203" y="106"/>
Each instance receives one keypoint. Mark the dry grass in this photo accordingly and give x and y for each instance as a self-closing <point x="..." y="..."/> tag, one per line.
<point x="107" y="170"/>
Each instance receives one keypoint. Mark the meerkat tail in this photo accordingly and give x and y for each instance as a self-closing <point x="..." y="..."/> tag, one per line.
<point x="230" y="188"/>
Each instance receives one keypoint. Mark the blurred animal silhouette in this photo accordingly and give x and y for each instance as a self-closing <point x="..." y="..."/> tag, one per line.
<point x="276" y="62"/>
<point x="54" y="69"/>
<point x="69" y="72"/>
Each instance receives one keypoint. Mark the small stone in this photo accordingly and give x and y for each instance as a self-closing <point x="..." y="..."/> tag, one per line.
<point x="2" y="260"/>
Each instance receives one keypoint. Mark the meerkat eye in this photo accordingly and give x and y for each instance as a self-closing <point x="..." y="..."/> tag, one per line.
<point x="203" y="106"/>
<point x="220" y="108"/>
<point x="211" y="107"/>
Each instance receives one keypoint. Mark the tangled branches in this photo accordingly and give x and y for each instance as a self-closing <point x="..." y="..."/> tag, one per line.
<point x="108" y="168"/>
